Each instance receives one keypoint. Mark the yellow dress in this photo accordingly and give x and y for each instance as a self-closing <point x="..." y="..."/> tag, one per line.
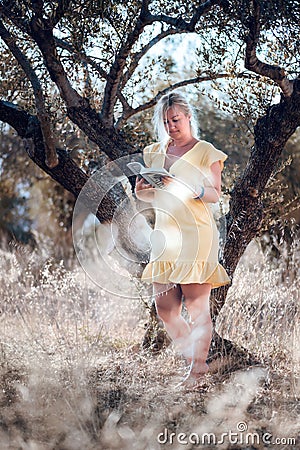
<point x="185" y="239"/>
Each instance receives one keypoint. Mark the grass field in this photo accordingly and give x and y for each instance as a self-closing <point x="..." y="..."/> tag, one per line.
<point x="74" y="376"/>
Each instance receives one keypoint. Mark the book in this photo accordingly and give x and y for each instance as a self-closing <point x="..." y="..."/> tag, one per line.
<point x="151" y="175"/>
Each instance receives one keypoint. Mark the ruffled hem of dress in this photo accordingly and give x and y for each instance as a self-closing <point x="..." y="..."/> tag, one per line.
<point x="185" y="273"/>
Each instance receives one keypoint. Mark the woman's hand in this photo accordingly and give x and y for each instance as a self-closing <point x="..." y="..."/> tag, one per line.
<point x="178" y="188"/>
<point x="167" y="180"/>
<point x="143" y="190"/>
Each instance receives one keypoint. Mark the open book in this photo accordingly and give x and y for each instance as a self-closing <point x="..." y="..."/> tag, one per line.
<point x="151" y="175"/>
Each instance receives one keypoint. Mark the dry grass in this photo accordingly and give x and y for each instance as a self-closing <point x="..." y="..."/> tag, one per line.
<point x="73" y="374"/>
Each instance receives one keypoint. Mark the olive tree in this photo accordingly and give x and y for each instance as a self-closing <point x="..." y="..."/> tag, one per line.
<point x="91" y="63"/>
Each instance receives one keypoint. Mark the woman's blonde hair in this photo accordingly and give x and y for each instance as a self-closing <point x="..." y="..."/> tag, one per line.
<point x="173" y="99"/>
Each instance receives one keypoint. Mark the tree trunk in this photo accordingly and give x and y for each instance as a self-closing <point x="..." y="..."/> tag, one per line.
<point x="271" y="133"/>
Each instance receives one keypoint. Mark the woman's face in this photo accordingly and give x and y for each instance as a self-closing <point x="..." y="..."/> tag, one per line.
<point x="177" y="124"/>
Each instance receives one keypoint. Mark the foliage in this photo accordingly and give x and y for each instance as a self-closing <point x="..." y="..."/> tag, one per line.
<point x="15" y="220"/>
<point x="29" y="211"/>
<point x="91" y="35"/>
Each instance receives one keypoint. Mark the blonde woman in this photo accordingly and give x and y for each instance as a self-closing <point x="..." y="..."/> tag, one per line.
<point x="184" y="257"/>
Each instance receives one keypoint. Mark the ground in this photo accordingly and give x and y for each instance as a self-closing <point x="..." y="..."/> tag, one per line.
<point x="74" y="375"/>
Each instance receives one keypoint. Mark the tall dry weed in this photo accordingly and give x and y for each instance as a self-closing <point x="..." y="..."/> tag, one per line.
<point x="73" y="374"/>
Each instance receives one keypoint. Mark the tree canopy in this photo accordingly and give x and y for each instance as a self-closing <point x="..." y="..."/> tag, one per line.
<point x="92" y="66"/>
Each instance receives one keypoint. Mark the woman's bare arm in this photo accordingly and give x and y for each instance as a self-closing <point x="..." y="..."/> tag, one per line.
<point x="144" y="191"/>
<point x="212" y="185"/>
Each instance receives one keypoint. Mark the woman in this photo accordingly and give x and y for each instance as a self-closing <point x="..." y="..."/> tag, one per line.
<point x="184" y="255"/>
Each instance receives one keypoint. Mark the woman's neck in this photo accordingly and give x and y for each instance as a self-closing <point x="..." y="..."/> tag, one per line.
<point x="183" y="142"/>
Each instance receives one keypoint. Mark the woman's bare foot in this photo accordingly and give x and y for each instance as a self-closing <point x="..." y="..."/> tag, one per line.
<point x="196" y="374"/>
<point x="199" y="368"/>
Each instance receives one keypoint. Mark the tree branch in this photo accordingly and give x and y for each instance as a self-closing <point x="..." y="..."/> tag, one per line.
<point x="78" y="108"/>
<point x="129" y="112"/>
<point x="16" y="117"/>
<point x="127" y="109"/>
<point x="205" y="8"/>
<point x="45" y="122"/>
<point x="40" y="29"/>
<point x="66" y="173"/>
<point x="62" y="7"/>
<point x="41" y="32"/>
<point x="6" y="9"/>
<point x="80" y="56"/>
<point x="254" y="64"/>
<point x="179" y="23"/>
<point x="116" y="70"/>
<point x="114" y="79"/>
<point x="138" y="56"/>
<point x="271" y="132"/>
<point x="38" y="7"/>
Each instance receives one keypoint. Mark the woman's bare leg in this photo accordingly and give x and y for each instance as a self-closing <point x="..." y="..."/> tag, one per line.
<point x="197" y="303"/>
<point x="169" y="306"/>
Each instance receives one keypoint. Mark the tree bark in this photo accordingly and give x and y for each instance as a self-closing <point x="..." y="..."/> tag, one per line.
<point x="271" y="133"/>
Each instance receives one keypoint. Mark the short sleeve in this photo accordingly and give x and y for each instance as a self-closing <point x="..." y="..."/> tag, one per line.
<point x="147" y="155"/>
<point x="153" y="155"/>
<point x="212" y="155"/>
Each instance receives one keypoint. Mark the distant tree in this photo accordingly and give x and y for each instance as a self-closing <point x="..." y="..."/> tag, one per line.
<point x="15" y="220"/>
<point x="89" y="63"/>
<point x="34" y="209"/>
